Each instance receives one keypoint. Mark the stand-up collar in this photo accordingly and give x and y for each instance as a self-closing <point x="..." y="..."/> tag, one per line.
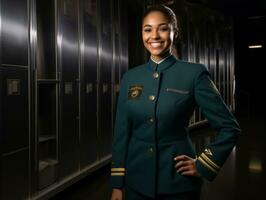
<point x="158" y="62"/>
<point x="162" y="65"/>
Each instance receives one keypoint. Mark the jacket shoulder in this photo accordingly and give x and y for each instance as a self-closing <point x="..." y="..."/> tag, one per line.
<point x="135" y="70"/>
<point x="188" y="70"/>
<point x="193" y="67"/>
<point x="138" y="68"/>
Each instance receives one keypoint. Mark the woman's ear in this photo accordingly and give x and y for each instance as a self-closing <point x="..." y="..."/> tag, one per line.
<point x="176" y="35"/>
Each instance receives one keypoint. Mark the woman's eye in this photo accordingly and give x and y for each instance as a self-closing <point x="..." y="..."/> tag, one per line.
<point x="147" y="30"/>
<point x="164" y="29"/>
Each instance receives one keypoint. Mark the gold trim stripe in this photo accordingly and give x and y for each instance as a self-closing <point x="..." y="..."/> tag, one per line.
<point x="117" y="174"/>
<point x="118" y="169"/>
<point x="206" y="158"/>
<point x="207" y="165"/>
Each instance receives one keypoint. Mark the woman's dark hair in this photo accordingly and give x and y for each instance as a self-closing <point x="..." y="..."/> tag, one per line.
<point x="167" y="12"/>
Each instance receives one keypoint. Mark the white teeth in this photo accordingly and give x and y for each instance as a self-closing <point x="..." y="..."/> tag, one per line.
<point x="155" y="44"/>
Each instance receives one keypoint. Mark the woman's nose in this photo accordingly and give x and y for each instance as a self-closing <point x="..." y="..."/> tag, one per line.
<point x="155" y="34"/>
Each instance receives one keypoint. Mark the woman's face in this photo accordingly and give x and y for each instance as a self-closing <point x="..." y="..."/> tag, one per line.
<point x="157" y="35"/>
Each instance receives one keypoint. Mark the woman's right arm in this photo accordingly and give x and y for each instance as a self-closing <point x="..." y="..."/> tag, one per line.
<point x="120" y="140"/>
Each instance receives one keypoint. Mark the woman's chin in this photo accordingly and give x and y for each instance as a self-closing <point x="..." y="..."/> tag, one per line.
<point x="159" y="55"/>
<point x="156" y="52"/>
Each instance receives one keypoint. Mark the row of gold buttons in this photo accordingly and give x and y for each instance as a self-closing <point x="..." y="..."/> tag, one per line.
<point x="152" y="98"/>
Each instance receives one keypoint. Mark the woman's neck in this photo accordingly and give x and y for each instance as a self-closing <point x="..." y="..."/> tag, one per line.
<point x="160" y="59"/>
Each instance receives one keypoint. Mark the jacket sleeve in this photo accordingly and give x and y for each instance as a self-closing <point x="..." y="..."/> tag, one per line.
<point x="120" y="138"/>
<point x="208" y="98"/>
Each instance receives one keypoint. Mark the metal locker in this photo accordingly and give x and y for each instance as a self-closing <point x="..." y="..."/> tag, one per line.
<point x="105" y="73"/>
<point x="1" y="112"/>
<point x="14" y="102"/>
<point x="14" y="132"/>
<point x="137" y="52"/>
<point x="68" y="62"/>
<point x="47" y="133"/>
<point x="226" y="73"/>
<point x="75" y="64"/>
<point x="124" y="28"/>
<point x="231" y="68"/>
<point x="88" y="133"/>
<point x="210" y="42"/>
<point x="15" y="122"/>
<point x="15" y="175"/>
<point x="45" y="96"/>
<point x="116" y="62"/>
<point x="182" y="22"/>
<point x="45" y="55"/>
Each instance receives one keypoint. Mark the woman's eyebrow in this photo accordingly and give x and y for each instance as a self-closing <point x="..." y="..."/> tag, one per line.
<point x="149" y="25"/>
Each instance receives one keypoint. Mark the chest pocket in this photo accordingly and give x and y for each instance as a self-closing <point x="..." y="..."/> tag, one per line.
<point x="177" y="91"/>
<point x="176" y="95"/>
<point x="175" y="102"/>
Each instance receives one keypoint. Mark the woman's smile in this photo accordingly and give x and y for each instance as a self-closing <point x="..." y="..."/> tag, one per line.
<point x="156" y="45"/>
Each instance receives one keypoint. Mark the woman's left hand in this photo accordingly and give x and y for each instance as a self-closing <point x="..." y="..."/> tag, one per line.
<point x="186" y="166"/>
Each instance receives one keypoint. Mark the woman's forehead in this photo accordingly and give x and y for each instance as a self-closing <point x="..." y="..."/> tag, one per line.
<point x="155" y="18"/>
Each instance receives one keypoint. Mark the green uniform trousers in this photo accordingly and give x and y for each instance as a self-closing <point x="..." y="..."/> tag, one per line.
<point x="130" y="194"/>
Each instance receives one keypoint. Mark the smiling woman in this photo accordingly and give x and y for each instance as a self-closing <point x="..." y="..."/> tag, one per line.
<point x="152" y="154"/>
<point x="158" y="32"/>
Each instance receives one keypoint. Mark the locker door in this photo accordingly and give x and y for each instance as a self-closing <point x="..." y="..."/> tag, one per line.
<point x="105" y="72"/>
<point x="14" y="104"/>
<point x="14" y="132"/>
<point x="124" y="36"/>
<point x="1" y="125"/>
<point x="46" y="98"/>
<point x="211" y="41"/>
<point x="88" y="136"/>
<point x="15" y="109"/>
<point x="68" y="59"/>
<point x="117" y="57"/>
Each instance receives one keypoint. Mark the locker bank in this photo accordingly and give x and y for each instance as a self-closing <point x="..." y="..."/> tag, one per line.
<point x="61" y="66"/>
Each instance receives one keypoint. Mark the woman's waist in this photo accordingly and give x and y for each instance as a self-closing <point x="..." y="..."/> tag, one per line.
<point x="166" y="138"/>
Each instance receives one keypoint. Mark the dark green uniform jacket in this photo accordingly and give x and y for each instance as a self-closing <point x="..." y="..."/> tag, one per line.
<point x="154" y="106"/>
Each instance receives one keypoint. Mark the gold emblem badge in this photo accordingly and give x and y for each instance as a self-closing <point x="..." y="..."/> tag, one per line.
<point x="208" y="152"/>
<point x="135" y="91"/>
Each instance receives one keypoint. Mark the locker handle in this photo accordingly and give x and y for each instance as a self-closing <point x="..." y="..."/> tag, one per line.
<point x="89" y="88"/>
<point x="105" y="88"/>
<point x="117" y="88"/>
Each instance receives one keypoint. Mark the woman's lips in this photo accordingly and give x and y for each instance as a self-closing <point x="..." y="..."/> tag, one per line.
<point x="156" y="44"/>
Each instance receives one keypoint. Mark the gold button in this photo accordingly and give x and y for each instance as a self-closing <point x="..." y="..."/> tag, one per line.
<point x="155" y="75"/>
<point x="151" y="97"/>
<point x="151" y="120"/>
